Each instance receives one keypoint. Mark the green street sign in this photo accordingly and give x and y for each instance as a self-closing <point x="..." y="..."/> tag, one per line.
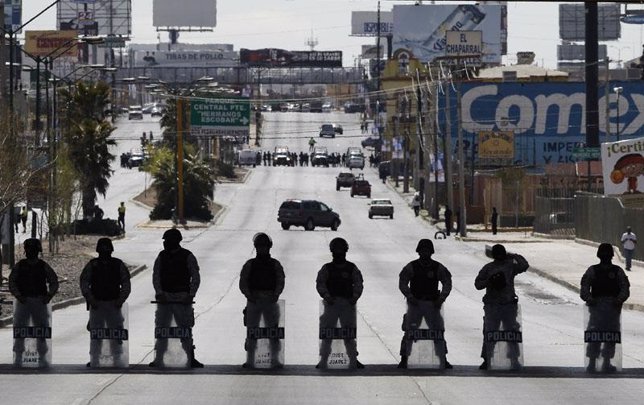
<point x="586" y="153"/>
<point x="220" y="117"/>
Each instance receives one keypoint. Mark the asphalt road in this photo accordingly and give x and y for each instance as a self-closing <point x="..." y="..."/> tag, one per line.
<point x="552" y="316"/>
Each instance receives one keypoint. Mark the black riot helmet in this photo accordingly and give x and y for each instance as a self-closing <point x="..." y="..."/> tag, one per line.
<point x="605" y="251"/>
<point x="173" y="235"/>
<point x="338" y="245"/>
<point x="262" y="239"/>
<point x="498" y="252"/>
<point x="104" y="245"/>
<point x="33" y="244"/>
<point x="425" y="245"/>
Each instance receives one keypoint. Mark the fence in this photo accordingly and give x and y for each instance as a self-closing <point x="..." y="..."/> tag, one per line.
<point x="555" y="216"/>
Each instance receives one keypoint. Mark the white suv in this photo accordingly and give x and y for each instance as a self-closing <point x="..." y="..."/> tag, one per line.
<point x="355" y="161"/>
<point x="135" y="113"/>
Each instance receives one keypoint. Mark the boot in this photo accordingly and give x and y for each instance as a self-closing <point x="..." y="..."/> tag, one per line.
<point x="403" y="362"/>
<point x="194" y="363"/>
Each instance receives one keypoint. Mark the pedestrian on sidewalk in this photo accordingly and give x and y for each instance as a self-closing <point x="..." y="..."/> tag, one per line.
<point x="415" y="204"/>
<point x="23" y="218"/>
<point x="629" y="239"/>
<point x="176" y="279"/>
<point x="121" y="217"/>
<point x="500" y="302"/>
<point x="604" y="288"/>
<point x="262" y="281"/>
<point x="418" y="282"/>
<point x="448" y="220"/>
<point x="494" y="219"/>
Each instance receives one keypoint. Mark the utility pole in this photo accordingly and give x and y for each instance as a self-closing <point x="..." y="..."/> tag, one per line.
<point x="180" y="201"/>
<point x="447" y="153"/>
<point x="461" y="164"/>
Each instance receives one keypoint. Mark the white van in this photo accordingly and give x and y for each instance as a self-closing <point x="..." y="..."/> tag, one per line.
<point x="247" y="157"/>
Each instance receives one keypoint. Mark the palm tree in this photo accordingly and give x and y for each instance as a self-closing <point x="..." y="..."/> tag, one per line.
<point x="89" y="143"/>
<point x="86" y="100"/>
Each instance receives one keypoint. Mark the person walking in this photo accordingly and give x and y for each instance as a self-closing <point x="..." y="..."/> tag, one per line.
<point x="23" y="218"/>
<point x="500" y="302"/>
<point x="33" y="283"/>
<point x="418" y="282"/>
<point x="604" y="288"/>
<point x="448" y="220"/>
<point x="262" y="281"/>
<point x="340" y="285"/>
<point x="494" y="219"/>
<point x="176" y="279"/>
<point x="415" y="204"/>
<point x="629" y="240"/>
<point x="105" y="284"/>
<point x="121" y="217"/>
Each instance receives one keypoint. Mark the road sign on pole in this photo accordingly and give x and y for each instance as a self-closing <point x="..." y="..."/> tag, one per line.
<point x="586" y="153"/>
<point x="220" y="117"/>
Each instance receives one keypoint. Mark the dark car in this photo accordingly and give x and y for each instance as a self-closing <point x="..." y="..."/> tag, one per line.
<point x="338" y="129"/>
<point x="361" y="187"/>
<point x="344" y="179"/>
<point x="327" y="130"/>
<point x="372" y="141"/>
<point x="307" y="213"/>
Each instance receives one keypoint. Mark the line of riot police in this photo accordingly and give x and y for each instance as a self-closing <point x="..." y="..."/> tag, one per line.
<point x="425" y="283"/>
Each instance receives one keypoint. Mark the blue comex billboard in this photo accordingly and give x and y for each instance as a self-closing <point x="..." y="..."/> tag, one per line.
<point x="548" y="119"/>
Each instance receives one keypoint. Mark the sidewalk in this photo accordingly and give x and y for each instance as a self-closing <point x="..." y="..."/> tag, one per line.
<point x="563" y="261"/>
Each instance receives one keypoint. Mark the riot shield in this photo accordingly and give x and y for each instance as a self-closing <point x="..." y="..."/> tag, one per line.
<point x="31" y="333"/>
<point x="503" y="337"/>
<point x="173" y="336"/>
<point x="338" y="348"/>
<point x="108" y="332"/>
<point x="603" y="337"/>
<point x="265" y="334"/>
<point x="424" y="340"/>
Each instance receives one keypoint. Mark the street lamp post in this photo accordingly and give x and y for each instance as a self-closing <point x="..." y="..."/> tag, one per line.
<point x="618" y="91"/>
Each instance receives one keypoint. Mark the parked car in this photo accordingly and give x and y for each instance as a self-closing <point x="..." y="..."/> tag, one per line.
<point x="371" y="141"/>
<point x="281" y="156"/>
<point x="135" y="113"/>
<point x="344" y="179"/>
<point x="307" y="213"/>
<point x="361" y="187"/>
<point x="327" y="130"/>
<point x="381" y="207"/>
<point x="337" y="128"/>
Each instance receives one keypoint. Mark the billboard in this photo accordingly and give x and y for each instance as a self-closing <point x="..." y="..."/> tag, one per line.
<point x="422" y="29"/>
<point x="365" y="23"/>
<point x="96" y="17"/>
<point x="12" y="15"/>
<point x="548" y="119"/>
<point x="193" y="13"/>
<point x="572" y="22"/>
<point x="51" y="43"/>
<point x="282" y="58"/>
<point x="623" y="167"/>
<point x="185" y="58"/>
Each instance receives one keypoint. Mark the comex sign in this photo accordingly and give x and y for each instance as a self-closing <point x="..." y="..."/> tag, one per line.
<point x="550" y="118"/>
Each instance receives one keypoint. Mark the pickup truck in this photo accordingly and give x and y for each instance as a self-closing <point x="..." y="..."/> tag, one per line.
<point x="344" y="179"/>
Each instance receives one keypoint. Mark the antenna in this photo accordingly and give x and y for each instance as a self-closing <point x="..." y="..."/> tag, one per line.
<point x="311" y="42"/>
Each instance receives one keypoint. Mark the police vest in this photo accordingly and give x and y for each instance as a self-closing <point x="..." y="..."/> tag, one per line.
<point x="175" y="276"/>
<point x="263" y="274"/>
<point x="32" y="278"/>
<point x="340" y="280"/>
<point x="424" y="282"/>
<point x="606" y="282"/>
<point x="106" y="279"/>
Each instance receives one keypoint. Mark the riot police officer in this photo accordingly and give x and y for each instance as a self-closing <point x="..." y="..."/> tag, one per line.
<point x="340" y="285"/>
<point x="176" y="279"/>
<point x="262" y="281"/>
<point x="418" y="282"/>
<point x="604" y="288"/>
<point x="34" y="283"/>
<point x="105" y="284"/>
<point x="500" y="302"/>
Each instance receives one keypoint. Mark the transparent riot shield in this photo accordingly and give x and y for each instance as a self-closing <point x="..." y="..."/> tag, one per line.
<point x="265" y="334"/>
<point x="338" y="348"/>
<point x="108" y="332"/>
<point x="603" y="337"/>
<point x="424" y="340"/>
<point x="173" y="335"/>
<point x="503" y="337"/>
<point x="31" y="333"/>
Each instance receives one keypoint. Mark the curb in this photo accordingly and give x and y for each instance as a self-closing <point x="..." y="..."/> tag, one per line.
<point x="72" y="301"/>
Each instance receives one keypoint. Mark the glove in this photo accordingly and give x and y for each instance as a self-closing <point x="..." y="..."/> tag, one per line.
<point x="497" y="281"/>
<point x="413" y="301"/>
<point x="188" y="299"/>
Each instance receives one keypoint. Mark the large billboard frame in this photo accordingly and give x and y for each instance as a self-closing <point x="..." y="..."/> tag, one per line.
<point x="182" y="16"/>
<point x="95" y="17"/>
<point x="365" y="23"/>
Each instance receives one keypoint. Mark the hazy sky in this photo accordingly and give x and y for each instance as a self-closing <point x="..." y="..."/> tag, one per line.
<point x="288" y="24"/>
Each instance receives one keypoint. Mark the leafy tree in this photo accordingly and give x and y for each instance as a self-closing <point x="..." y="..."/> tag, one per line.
<point x="198" y="181"/>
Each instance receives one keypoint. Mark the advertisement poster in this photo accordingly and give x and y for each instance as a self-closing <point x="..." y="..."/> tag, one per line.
<point x="623" y="167"/>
